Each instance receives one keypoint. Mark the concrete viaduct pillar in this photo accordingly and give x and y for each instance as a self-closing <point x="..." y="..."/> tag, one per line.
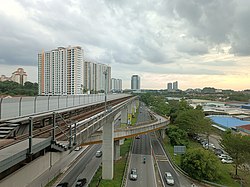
<point x="124" y="116"/>
<point x="129" y="113"/>
<point x="117" y="149"/>
<point x="108" y="150"/>
<point x="163" y="134"/>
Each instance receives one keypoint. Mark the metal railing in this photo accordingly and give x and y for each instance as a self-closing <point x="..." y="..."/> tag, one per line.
<point x="24" y="106"/>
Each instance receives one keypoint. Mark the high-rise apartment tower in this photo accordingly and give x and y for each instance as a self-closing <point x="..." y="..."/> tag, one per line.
<point x="60" y="71"/>
<point x="135" y="82"/>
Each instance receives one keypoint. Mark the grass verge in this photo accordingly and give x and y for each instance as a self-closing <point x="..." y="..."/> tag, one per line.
<point x="119" y="167"/>
<point x="51" y="183"/>
<point x="226" y="169"/>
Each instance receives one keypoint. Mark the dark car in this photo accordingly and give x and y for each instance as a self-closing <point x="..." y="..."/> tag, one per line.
<point x="98" y="154"/>
<point x="218" y="151"/>
<point x="64" y="184"/>
<point x="81" y="182"/>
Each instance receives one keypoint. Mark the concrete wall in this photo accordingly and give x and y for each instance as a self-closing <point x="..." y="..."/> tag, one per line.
<point x="31" y="171"/>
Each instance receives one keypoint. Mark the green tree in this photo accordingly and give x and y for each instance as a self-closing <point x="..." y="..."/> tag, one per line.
<point x="193" y="121"/>
<point x="13" y="88"/>
<point x="201" y="164"/>
<point x="177" y="136"/>
<point x="237" y="146"/>
<point x="157" y="103"/>
<point x="177" y="107"/>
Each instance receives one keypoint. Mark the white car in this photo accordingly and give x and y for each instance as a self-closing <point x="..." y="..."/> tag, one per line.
<point x="210" y="146"/>
<point x="222" y="156"/>
<point x="227" y="161"/>
<point x="169" y="179"/>
<point x="133" y="174"/>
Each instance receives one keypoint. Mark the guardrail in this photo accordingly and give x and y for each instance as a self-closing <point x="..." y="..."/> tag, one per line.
<point x="204" y="182"/>
<point x="23" y="106"/>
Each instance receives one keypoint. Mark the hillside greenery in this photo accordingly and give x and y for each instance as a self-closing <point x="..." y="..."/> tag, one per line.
<point x="15" y="89"/>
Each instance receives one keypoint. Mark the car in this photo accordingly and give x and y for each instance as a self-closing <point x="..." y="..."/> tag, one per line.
<point x="137" y="137"/>
<point x="169" y="178"/>
<point x="222" y="156"/>
<point x="227" y="161"/>
<point x="133" y="174"/>
<point x="78" y="148"/>
<point x="218" y="151"/>
<point x="81" y="182"/>
<point x="98" y="154"/>
<point x="210" y="146"/>
<point x="64" y="184"/>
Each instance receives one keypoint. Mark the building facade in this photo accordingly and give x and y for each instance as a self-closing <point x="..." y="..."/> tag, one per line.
<point x="175" y="85"/>
<point x="94" y="77"/>
<point x="19" y="76"/>
<point x="116" y="85"/>
<point x="135" y="82"/>
<point x="169" y="86"/>
<point x="60" y="71"/>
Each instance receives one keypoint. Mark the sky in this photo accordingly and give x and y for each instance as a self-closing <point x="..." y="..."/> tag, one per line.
<point x="198" y="43"/>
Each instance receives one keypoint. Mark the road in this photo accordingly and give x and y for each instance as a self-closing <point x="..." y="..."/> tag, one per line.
<point x="85" y="167"/>
<point x="142" y="148"/>
<point x="146" y="174"/>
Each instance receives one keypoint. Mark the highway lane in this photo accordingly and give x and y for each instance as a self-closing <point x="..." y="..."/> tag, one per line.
<point x="163" y="162"/>
<point x="85" y="167"/>
<point x="165" y="165"/>
<point x="145" y="171"/>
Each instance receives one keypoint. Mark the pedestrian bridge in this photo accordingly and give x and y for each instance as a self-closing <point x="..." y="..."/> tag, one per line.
<point x="129" y="131"/>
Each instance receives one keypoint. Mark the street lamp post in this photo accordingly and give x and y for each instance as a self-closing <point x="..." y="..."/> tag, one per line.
<point x="105" y="89"/>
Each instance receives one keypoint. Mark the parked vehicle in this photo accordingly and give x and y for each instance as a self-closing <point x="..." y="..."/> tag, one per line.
<point x="133" y="174"/>
<point x="64" y="184"/>
<point x="227" y="161"/>
<point x="81" y="182"/>
<point x="169" y="179"/>
<point x="210" y="145"/>
<point x="218" y="151"/>
<point x="98" y="154"/>
<point x="222" y="156"/>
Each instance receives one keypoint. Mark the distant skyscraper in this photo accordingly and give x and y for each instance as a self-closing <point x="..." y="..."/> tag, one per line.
<point x="170" y="86"/>
<point x="60" y="71"/>
<point x="116" y="85"/>
<point x="135" y="82"/>
<point x="175" y="85"/>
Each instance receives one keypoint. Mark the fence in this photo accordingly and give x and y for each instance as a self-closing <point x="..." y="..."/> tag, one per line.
<point x="24" y="106"/>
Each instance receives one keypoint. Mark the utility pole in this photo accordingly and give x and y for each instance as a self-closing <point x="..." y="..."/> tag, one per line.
<point x="105" y="89"/>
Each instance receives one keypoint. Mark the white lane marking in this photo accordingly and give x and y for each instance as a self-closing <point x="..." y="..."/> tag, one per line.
<point x="127" y="174"/>
<point x="167" y="157"/>
<point x="152" y="160"/>
<point x="160" y="174"/>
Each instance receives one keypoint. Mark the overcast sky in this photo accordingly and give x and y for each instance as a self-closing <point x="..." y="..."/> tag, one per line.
<point x="199" y="43"/>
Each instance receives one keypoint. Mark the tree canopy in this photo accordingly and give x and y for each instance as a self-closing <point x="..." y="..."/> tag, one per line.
<point x="193" y="121"/>
<point x="156" y="103"/>
<point x="237" y="146"/>
<point x="13" y="88"/>
<point x="201" y="164"/>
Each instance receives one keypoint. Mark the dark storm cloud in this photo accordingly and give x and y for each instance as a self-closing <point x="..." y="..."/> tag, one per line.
<point x="127" y="32"/>
<point x="217" y="22"/>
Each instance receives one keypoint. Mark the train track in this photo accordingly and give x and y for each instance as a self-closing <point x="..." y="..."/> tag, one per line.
<point x="62" y="124"/>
